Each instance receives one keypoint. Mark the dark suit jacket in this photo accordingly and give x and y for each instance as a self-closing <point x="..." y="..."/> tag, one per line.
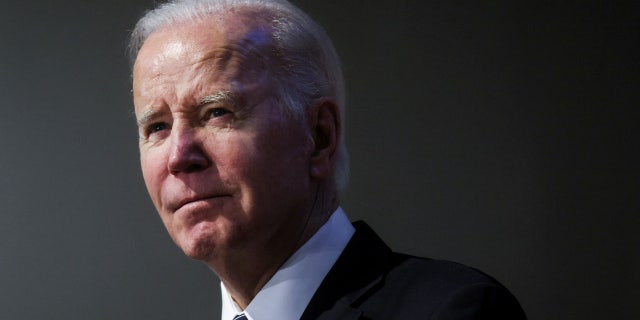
<point x="369" y="281"/>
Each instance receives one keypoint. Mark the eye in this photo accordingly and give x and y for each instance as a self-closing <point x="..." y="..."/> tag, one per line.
<point x="156" y="127"/>
<point x="217" y="112"/>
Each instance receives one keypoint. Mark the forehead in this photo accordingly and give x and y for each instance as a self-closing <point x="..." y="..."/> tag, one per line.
<point x="245" y="32"/>
<point x="225" y="49"/>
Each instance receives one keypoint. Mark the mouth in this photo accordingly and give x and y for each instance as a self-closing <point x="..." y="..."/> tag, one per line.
<point x="190" y="201"/>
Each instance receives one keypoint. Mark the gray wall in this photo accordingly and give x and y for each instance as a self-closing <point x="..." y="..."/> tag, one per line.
<point x="500" y="136"/>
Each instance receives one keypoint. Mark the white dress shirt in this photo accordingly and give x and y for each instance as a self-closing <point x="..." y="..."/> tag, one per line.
<point x="289" y="291"/>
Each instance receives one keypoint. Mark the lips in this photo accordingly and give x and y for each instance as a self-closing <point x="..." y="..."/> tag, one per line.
<point x="176" y="205"/>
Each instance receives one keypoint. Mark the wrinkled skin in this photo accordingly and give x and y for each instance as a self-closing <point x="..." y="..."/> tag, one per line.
<point x="234" y="179"/>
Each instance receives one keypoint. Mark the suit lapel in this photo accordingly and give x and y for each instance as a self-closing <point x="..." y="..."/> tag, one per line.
<point x="357" y="272"/>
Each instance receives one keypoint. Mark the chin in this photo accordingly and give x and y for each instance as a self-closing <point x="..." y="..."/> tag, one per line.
<point x="199" y="254"/>
<point x="198" y="251"/>
<point x="198" y="243"/>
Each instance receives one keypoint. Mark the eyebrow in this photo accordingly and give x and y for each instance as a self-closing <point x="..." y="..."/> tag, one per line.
<point x="147" y="116"/>
<point x="224" y="96"/>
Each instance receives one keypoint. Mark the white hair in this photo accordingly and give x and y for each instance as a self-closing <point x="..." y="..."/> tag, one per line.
<point x="309" y="65"/>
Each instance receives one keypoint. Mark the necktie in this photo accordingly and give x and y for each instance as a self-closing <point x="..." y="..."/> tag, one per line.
<point x="240" y="317"/>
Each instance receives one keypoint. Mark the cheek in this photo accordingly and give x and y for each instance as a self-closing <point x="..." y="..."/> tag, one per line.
<point x="152" y="173"/>
<point x="236" y="164"/>
<point x="281" y="162"/>
<point x="240" y="161"/>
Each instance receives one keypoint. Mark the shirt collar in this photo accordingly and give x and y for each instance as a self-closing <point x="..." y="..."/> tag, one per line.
<point x="286" y="295"/>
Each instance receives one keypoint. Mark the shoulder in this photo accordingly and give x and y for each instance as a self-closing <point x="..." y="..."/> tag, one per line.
<point x="438" y="275"/>
<point x="440" y="289"/>
<point x="373" y="282"/>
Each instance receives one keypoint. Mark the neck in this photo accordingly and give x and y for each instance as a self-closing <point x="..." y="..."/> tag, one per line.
<point x="245" y="273"/>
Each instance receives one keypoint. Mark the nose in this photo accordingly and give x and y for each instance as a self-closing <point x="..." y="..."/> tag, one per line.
<point x="186" y="154"/>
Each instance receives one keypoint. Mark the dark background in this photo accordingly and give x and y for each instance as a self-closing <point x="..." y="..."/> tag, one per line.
<point x="503" y="136"/>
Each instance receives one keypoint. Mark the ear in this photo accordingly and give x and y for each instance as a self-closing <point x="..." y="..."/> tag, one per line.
<point x="325" y="127"/>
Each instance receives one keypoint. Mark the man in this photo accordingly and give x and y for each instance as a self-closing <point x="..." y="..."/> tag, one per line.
<point x="239" y="106"/>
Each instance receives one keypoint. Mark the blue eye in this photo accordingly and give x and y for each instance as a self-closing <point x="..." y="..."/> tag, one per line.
<point x="156" y="127"/>
<point x="218" y="112"/>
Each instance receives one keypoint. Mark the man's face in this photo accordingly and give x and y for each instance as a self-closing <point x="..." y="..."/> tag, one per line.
<point x="226" y="169"/>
